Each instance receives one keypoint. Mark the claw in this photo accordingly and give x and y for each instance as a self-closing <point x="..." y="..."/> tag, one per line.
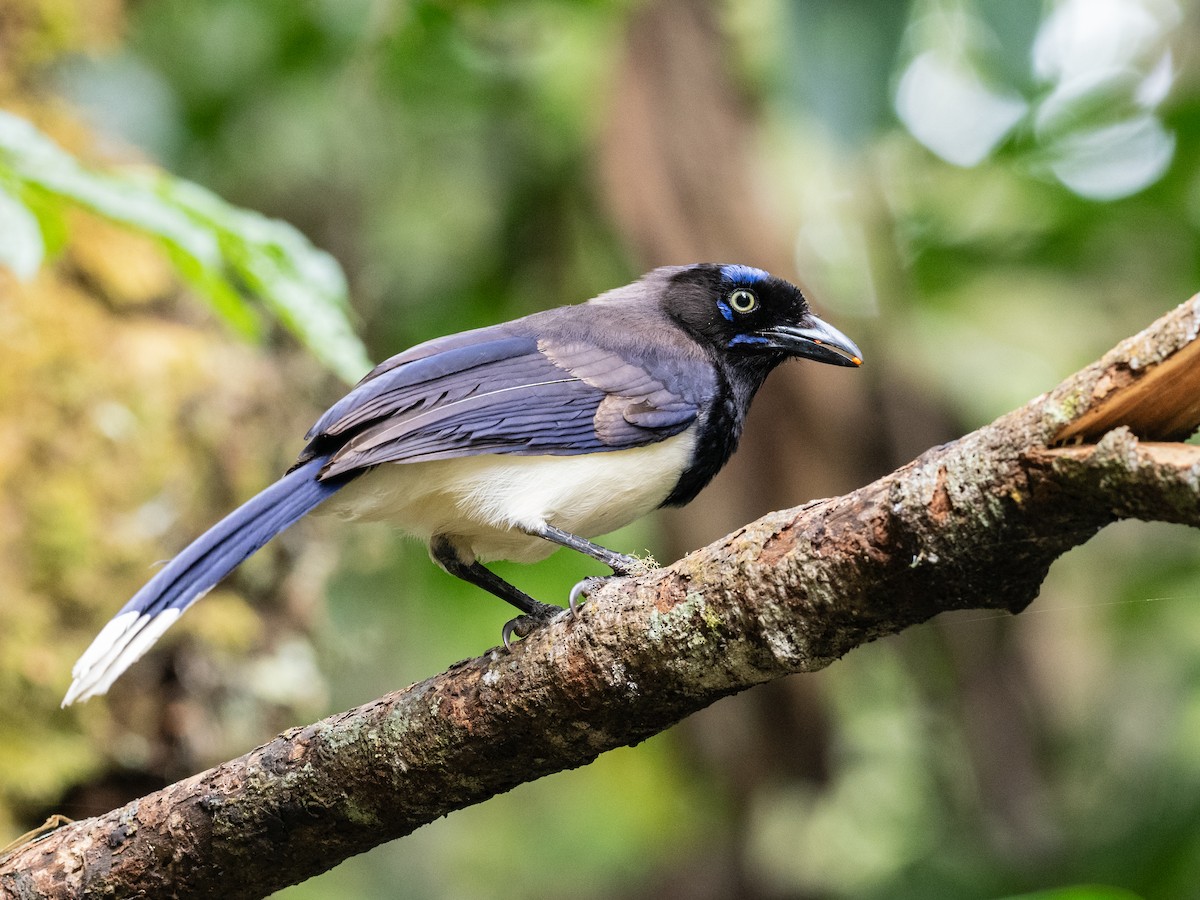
<point x="506" y="633"/>
<point x="582" y="589"/>
<point x="523" y="626"/>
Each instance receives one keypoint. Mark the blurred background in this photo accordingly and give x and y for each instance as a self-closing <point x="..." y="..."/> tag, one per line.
<point x="986" y="195"/>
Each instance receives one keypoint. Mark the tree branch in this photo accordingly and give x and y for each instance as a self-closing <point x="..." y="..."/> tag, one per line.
<point x="974" y="523"/>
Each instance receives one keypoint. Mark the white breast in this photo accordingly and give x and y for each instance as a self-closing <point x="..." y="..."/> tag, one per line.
<point x="483" y="502"/>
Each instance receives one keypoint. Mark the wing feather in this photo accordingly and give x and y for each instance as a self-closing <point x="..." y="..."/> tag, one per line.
<point x="502" y="392"/>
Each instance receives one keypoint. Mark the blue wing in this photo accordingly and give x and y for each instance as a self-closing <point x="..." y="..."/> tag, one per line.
<point x="502" y="392"/>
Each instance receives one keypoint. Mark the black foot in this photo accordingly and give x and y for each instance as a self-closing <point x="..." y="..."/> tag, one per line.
<point x="625" y="565"/>
<point x="523" y="626"/>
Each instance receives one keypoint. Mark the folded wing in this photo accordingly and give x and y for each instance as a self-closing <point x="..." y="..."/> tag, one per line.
<point x="506" y="393"/>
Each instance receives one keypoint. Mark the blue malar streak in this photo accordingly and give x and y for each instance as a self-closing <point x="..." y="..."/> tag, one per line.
<point x="748" y="339"/>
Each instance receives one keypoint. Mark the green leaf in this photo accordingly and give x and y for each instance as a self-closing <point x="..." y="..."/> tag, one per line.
<point x="21" y="244"/>
<point x="215" y="246"/>
<point x="37" y="160"/>
<point x="302" y="285"/>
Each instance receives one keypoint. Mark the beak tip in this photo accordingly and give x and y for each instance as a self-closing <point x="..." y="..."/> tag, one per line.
<point x="841" y="350"/>
<point x="816" y="339"/>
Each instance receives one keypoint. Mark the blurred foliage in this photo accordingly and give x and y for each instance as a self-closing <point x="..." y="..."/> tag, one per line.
<point x="127" y="422"/>
<point x="441" y="148"/>
<point x="1080" y="892"/>
<point x="202" y="234"/>
<point x="116" y="400"/>
<point x="985" y="193"/>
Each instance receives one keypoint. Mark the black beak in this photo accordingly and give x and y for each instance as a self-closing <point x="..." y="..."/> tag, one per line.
<point x="814" y="339"/>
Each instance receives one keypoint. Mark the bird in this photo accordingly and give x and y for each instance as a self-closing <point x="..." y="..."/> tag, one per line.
<point x="512" y="440"/>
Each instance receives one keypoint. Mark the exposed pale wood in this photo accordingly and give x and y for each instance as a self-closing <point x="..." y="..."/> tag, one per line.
<point x="1155" y="393"/>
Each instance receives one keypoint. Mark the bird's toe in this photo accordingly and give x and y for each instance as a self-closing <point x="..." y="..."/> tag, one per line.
<point x="524" y="625"/>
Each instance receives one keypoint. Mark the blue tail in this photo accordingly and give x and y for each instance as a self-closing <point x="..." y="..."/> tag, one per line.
<point x="193" y="573"/>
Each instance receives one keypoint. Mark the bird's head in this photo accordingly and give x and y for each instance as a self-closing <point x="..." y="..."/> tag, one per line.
<point x="749" y="316"/>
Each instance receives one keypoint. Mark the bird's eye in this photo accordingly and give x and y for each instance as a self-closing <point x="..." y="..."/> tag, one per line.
<point x="743" y="301"/>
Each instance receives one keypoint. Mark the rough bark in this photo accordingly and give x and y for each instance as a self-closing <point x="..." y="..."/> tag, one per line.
<point x="974" y="523"/>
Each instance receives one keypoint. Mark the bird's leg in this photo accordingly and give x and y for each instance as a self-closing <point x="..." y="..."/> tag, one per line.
<point x="534" y="612"/>
<point x="618" y="562"/>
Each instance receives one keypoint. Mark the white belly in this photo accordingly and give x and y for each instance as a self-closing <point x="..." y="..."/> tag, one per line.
<point x="483" y="502"/>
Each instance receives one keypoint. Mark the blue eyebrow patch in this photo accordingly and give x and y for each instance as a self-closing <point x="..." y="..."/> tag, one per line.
<point x="748" y="339"/>
<point x="743" y="274"/>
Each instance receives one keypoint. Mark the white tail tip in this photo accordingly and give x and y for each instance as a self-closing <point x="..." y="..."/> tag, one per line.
<point x="118" y="646"/>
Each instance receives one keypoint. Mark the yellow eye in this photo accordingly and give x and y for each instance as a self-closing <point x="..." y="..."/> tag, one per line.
<point x="743" y="301"/>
